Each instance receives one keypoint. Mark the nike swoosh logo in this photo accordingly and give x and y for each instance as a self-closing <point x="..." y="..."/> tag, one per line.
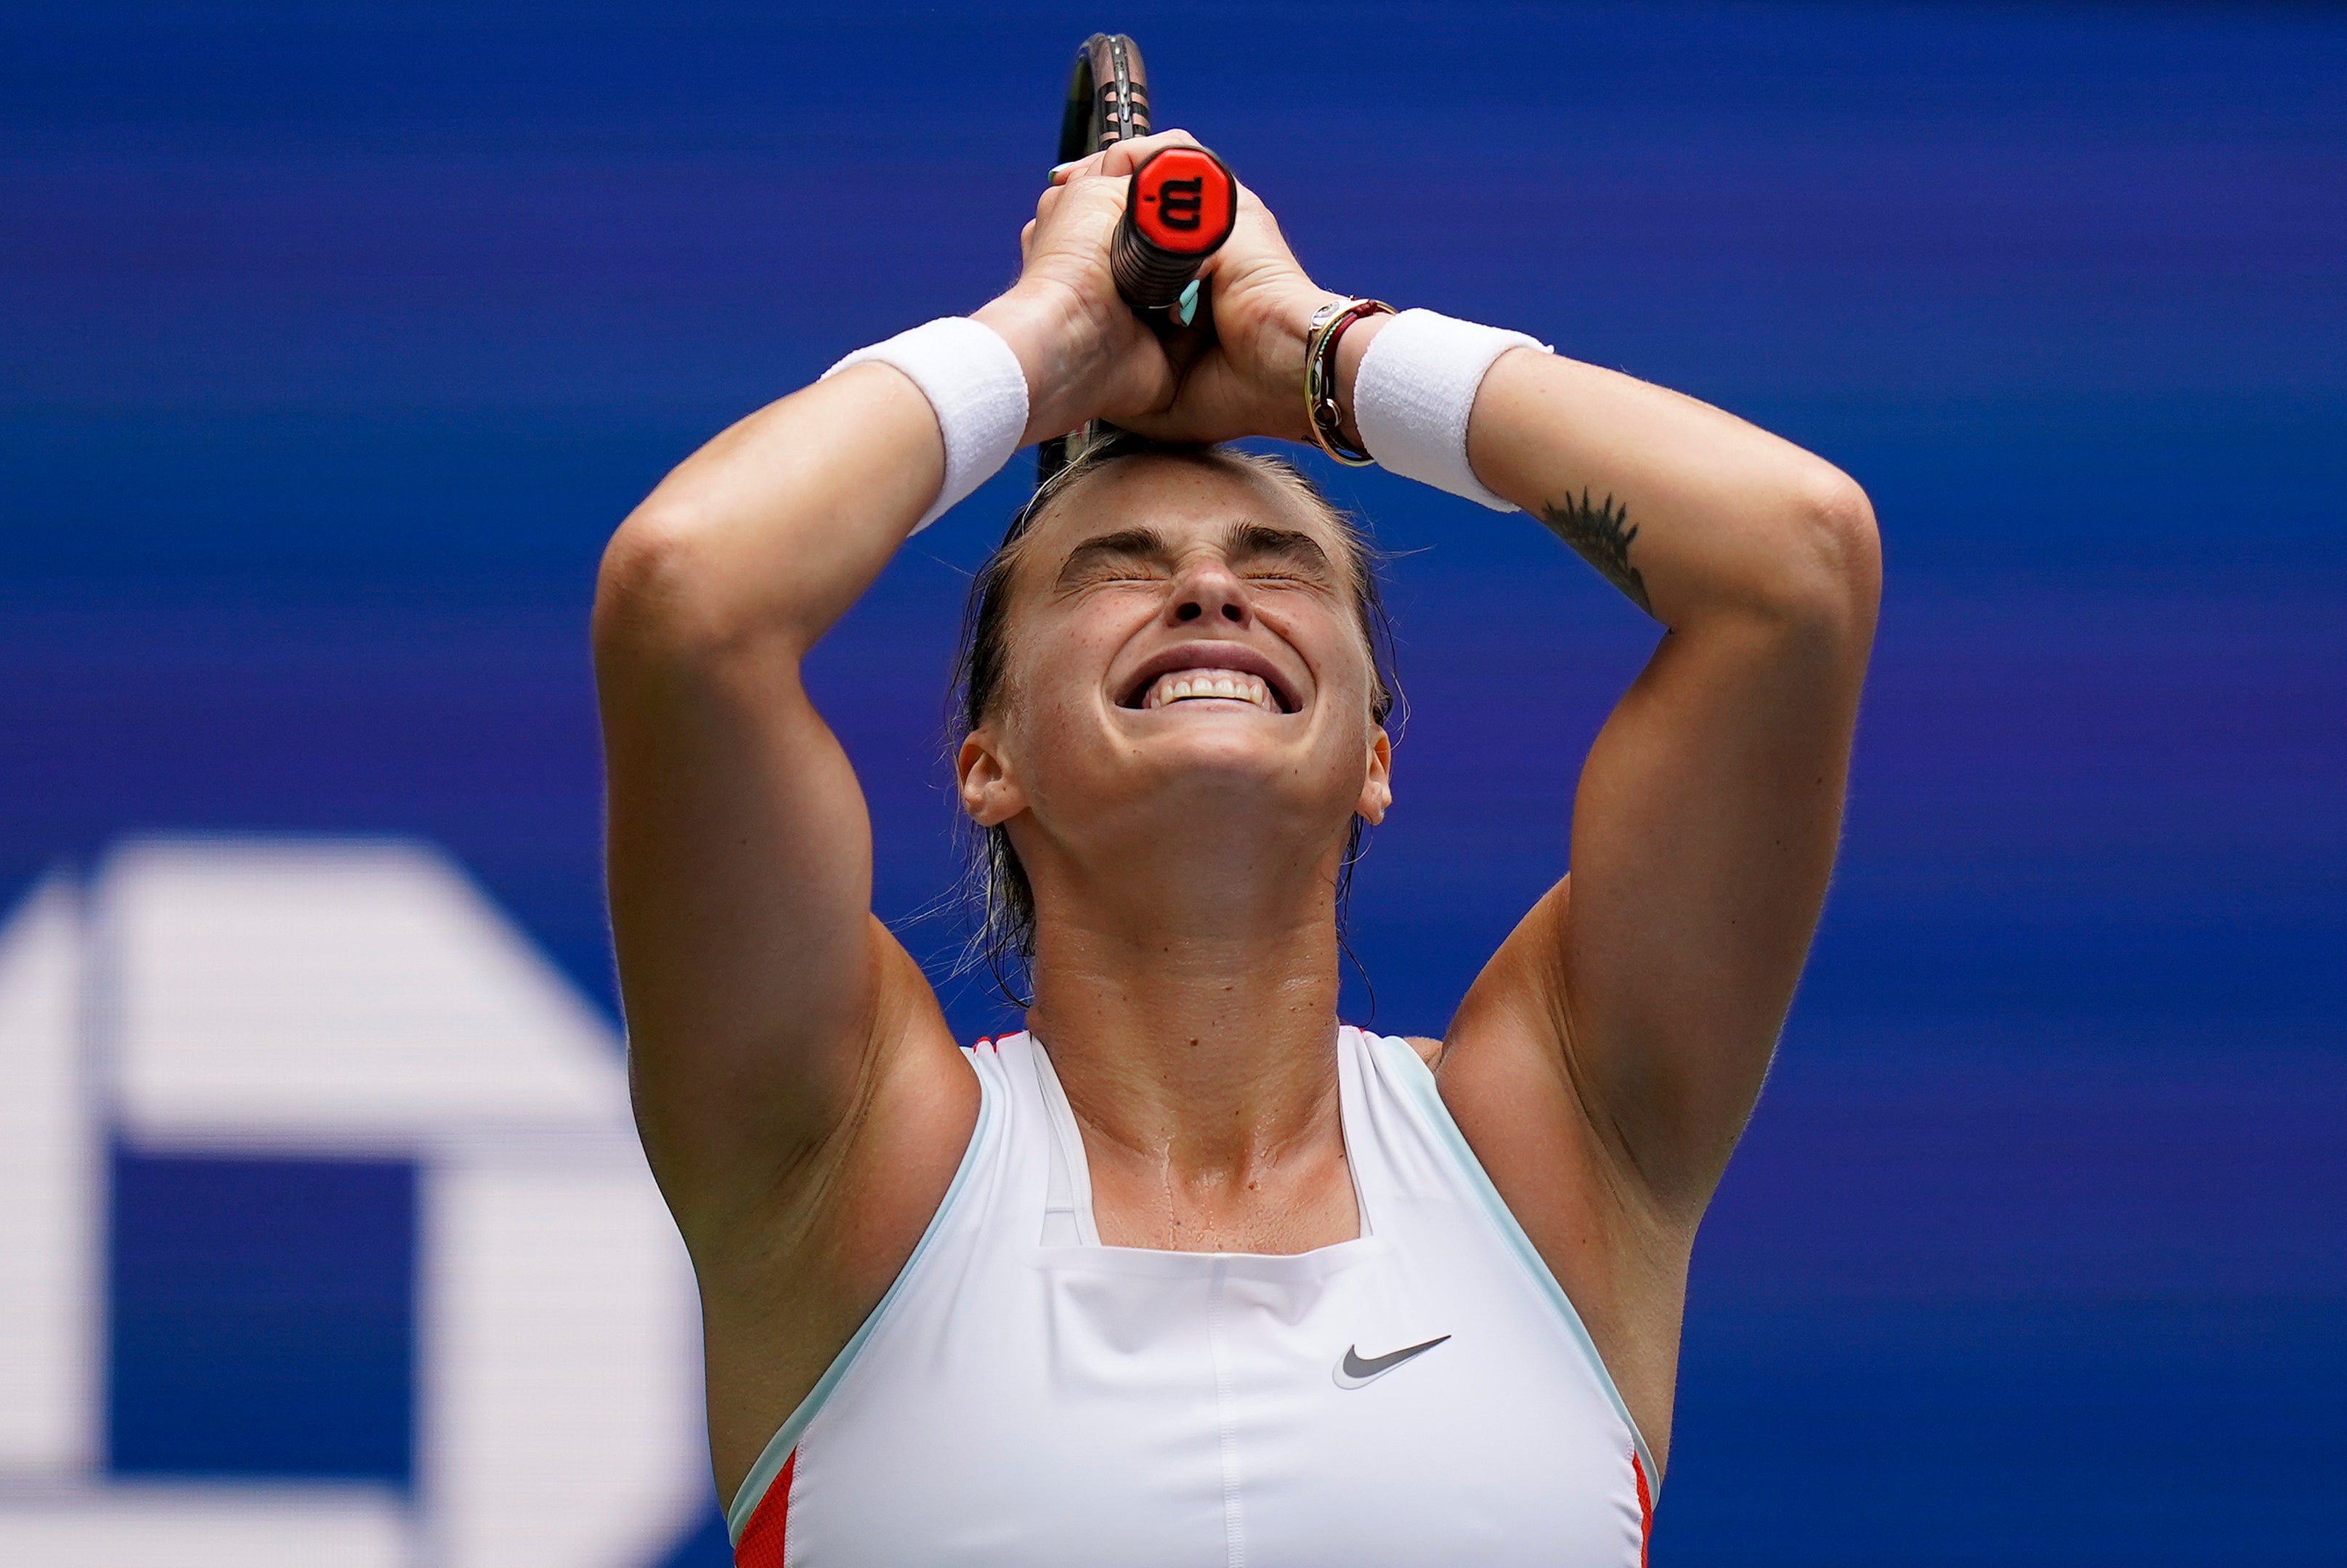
<point x="1352" y="1371"/>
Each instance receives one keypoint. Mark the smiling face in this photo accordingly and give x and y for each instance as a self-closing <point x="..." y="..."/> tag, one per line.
<point x="1184" y="662"/>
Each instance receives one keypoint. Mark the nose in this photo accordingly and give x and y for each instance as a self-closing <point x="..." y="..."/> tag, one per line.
<point x="1211" y="591"/>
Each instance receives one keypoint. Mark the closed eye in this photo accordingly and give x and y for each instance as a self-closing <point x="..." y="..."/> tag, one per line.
<point x="1129" y="554"/>
<point x="1285" y="556"/>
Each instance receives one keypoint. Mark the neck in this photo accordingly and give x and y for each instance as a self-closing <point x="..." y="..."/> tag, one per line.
<point x="1193" y="1031"/>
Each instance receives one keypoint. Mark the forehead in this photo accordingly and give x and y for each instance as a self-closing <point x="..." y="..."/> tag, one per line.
<point x="1186" y="501"/>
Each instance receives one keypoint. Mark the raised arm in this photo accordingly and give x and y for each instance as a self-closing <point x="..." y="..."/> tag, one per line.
<point x="766" y="1007"/>
<point x="740" y="854"/>
<point x="1643" y="996"/>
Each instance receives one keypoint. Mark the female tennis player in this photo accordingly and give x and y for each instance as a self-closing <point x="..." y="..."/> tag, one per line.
<point x="1189" y="1272"/>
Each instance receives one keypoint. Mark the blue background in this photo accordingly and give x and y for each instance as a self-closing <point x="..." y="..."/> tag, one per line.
<point x="334" y="341"/>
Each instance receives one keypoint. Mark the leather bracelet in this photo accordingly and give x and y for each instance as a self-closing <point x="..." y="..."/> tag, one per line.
<point x="1321" y="415"/>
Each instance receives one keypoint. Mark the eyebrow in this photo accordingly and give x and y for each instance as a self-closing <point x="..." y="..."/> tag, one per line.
<point x="1145" y="543"/>
<point x="1246" y="540"/>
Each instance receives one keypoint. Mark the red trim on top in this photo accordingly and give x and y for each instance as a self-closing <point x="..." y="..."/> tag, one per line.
<point x="761" y="1546"/>
<point x="1645" y="1509"/>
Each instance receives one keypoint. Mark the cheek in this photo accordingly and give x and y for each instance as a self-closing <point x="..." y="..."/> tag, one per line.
<point x="1063" y="652"/>
<point x="1342" y="674"/>
<point x="1037" y="723"/>
<point x="1351" y="726"/>
<point x="1050" y="694"/>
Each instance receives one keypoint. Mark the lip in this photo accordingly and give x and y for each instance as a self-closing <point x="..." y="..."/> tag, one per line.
<point x="1206" y="655"/>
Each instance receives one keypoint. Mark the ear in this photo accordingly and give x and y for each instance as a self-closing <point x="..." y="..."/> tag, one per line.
<point x="989" y="793"/>
<point x="1377" y="790"/>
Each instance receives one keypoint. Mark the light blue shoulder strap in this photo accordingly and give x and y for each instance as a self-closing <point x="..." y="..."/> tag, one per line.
<point x="1400" y="1064"/>
<point x="786" y="1436"/>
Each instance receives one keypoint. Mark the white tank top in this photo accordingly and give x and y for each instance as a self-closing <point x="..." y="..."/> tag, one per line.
<point x="1023" y="1395"/>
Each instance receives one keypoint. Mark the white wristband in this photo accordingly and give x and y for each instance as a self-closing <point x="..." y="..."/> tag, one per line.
<point x="973" y="382"/>
<point x="1414" y="391"/>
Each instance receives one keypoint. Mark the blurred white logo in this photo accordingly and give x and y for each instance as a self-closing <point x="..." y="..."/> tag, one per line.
<point x="331" y="998"/>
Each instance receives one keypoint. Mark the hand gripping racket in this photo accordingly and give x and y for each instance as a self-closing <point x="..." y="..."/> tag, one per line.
<point x="1180" y="204"/>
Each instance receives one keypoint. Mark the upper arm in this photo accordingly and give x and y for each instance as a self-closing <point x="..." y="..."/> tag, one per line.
<point x="1703" y="834"/>
<point x="1646" y="993"/>
<point x="759" y="989"/>
<point x="739" y="861"/>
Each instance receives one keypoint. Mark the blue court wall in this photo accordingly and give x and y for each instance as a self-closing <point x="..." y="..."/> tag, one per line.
<point x="334" y="341"/>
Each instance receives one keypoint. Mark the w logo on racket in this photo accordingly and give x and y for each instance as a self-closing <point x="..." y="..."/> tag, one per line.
<point x="1182" y="203"/>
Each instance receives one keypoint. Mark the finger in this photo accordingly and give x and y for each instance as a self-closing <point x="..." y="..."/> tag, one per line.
<point x="1061" y="173"/>
<point x="1121" y="158"/>
<point x="1026" y="241"/>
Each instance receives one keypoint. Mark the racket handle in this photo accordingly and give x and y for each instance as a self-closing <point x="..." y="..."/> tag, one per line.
<point x="1179" y="208"/>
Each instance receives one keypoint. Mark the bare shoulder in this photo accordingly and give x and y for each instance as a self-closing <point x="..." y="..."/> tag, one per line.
<point x="858" y="1201"/>
<point x="785" y="1288"/>
<point x="1429" y="1048"/>
<point x="1507" y="1075"/>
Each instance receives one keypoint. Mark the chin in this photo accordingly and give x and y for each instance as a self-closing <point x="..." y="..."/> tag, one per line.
<point x="1237" y="769"/>
<point x="1240" y="746"/>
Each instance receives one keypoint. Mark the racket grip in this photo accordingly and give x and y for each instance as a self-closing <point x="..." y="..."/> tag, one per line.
<point x="1180" y="206"/>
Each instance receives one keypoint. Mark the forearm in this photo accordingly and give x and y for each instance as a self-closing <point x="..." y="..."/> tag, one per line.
<point x="737" y="842"/>
<point x="1703" y="831"/>
<point x="782" y="520"/>
<point x="1690" y="511"/>
<point x="779" y="523"/>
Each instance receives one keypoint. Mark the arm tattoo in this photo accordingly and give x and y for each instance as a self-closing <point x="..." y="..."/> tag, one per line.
<point x="1601" y="534"/>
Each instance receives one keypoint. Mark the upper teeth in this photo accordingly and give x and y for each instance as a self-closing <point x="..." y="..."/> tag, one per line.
<point x="1228" y="684"/>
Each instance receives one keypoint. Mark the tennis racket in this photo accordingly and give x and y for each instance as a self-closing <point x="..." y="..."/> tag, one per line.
<point x="1180" y="206"/>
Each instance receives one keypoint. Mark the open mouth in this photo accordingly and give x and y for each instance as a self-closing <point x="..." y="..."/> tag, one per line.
<point x="1202" y="676"/>
<point x="1225" y="685"/>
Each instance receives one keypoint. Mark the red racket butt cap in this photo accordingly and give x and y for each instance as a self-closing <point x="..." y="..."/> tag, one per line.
<point x="1184" y="201"/>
